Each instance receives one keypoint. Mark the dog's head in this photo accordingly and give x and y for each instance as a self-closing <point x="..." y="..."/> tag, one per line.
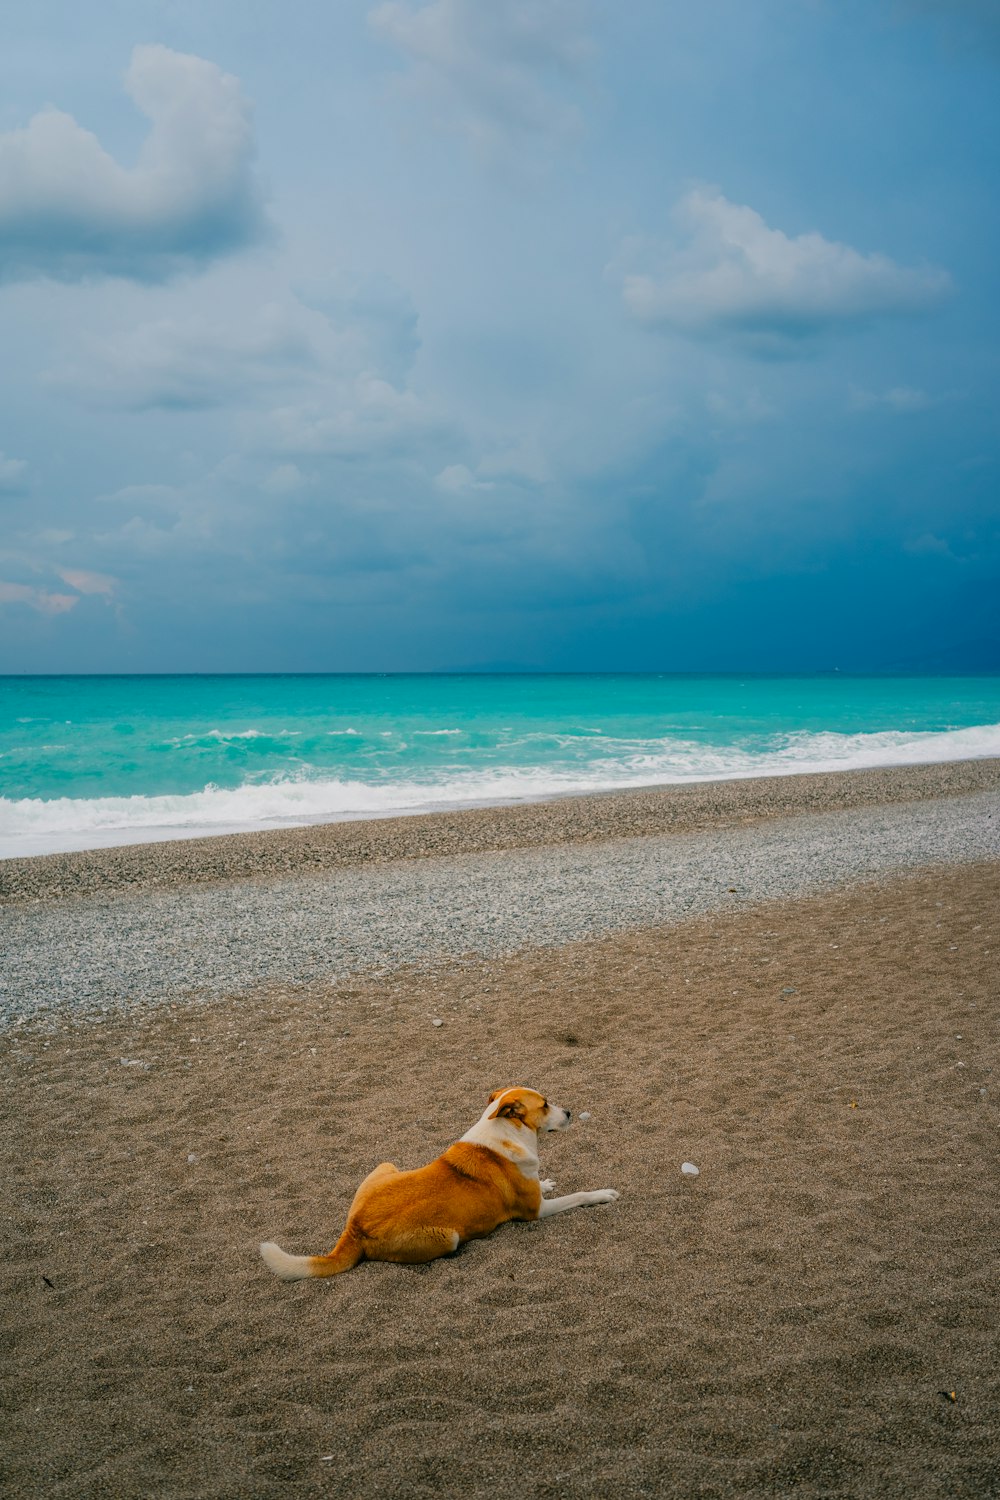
<point x="527" y="1107"/>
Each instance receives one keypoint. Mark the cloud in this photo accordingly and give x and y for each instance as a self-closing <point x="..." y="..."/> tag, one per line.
<point x="352" y="418"/>
<point x="900" y="398"/>
<point x="193" y="363"/>
<point x="285" y="479"/>
<point x="736" y="277"/>
<point x="41" y="600"/>
<point x="745" y="409"/>
<point x="520" y="467"/>
<point x="70" y="211"/>
<point x="497" y="73"/>
<point x="155" y="499"/>
<point x="458" y="479"/>
<point x="323" y="363"/>
<point x="371" y="315"/>
<point x="928" y="545"/>
<point x="88" y="583"/>
<point x="12" y="471"/>
<point x="524" y="463"/>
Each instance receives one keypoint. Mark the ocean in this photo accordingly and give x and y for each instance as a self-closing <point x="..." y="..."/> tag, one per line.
<point x="92" y="761"/>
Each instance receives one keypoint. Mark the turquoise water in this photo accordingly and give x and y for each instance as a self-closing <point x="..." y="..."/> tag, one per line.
<point x="99" y="760"/>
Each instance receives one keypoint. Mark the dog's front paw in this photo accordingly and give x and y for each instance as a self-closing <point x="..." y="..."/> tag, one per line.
<point x="604" y="1195"/>
<point x="548" y="1186"/>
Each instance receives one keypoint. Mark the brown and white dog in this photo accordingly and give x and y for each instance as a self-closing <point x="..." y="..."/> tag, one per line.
<point x="485" y="1179"/>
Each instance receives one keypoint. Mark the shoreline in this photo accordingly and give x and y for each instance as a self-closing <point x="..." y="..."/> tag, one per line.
<point x="568" y="819"/>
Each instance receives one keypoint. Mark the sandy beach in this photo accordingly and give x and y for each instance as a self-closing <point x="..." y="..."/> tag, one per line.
<point x="814" y="1314"/>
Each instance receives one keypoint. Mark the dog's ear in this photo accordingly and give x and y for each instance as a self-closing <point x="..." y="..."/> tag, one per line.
<point x="512" y="1111"/>
<point x="495" y="1095"/>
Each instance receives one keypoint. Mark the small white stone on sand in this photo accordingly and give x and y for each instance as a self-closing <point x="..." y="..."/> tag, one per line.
<point x="192" y="1158"/>
<point x="437" y="1023"/>
<point x="584" y="1114"/>
<point x="689" y="1169"/>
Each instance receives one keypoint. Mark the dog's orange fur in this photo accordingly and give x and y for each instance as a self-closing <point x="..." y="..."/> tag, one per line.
<point x="411" y="1216"/>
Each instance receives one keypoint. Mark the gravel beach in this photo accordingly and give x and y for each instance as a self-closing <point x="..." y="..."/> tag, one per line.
<point x="128" y="950"/>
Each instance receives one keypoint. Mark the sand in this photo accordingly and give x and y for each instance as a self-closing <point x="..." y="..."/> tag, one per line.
<point x="793" y="1320"/>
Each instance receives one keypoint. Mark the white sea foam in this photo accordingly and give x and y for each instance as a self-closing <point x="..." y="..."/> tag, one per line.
<point x="38" y="826"/>
<point x="225" y="736"/>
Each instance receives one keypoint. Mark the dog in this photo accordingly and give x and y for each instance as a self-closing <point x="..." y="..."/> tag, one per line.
<point x="487" y="1178"/>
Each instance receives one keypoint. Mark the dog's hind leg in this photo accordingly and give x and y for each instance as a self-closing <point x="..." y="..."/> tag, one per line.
<point x="575" y="1200"/>
<point x="413" y="1247"/>
<point x="378" y="1175"/>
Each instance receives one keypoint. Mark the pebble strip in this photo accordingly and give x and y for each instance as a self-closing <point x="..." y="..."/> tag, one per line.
<point x="694" y="807"/>
<point x="121" y="951"/>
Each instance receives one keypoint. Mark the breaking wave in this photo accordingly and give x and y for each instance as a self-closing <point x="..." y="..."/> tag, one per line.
<point x="36" y="825"/>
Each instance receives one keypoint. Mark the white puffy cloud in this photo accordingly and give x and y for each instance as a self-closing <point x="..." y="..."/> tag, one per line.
<point x="492" y="71"/>
<point x="730" y="273"/>
<point x="70" y="211"/>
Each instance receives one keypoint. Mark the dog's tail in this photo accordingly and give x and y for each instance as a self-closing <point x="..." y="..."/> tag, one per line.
<point x="345" y="1254"/>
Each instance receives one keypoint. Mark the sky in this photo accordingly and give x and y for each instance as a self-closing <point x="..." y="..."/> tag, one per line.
<point x="529" y="334"/>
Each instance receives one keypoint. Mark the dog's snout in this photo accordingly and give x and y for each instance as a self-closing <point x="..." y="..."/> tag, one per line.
<point x="569" y="1115"/>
